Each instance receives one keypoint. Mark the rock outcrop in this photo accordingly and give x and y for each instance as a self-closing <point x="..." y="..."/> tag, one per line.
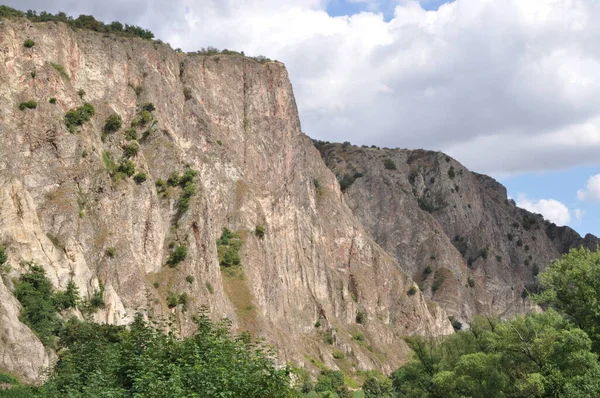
<point x="455" y="232"/>
<point x="68" y="205"/>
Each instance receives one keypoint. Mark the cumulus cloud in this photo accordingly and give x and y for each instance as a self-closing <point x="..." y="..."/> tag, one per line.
<point x="504" y="86"/>
<point x="551" y="209"/>
<point x="591" y="191"/>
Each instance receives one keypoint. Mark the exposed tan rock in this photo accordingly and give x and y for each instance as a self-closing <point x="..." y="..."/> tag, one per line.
<point x="240" y="131"/>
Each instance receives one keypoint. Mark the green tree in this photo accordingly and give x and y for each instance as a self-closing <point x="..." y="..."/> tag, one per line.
<point x="571" y="285"/>
<point x="34" y="291"/>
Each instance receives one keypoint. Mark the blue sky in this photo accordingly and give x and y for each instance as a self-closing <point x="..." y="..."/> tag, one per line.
<point x="386" y="7"/>
<point x="561" y="186"/>
<point x="509" y="88"/>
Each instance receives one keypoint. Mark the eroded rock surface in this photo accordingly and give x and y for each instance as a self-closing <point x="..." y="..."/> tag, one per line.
<point x="235" y="122"/>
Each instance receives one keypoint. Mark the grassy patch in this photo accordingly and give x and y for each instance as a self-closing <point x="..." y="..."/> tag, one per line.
<point x="239" y="294"/>
<point x="61" y="70"/>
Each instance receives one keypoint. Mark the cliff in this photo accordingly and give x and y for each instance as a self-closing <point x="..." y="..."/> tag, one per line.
<point x="314" y="282"/>
<point x="455" y="232"/>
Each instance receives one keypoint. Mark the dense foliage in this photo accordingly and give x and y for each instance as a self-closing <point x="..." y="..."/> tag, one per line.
<point x="111" y="361"/>
<point x="228" y="248"/>
<point x="34" y="291"/>
<point x="571" y="284"/>
<point x="78" y="116"/>
<point x="81" y="22"/>
<point x="540" y="355"/>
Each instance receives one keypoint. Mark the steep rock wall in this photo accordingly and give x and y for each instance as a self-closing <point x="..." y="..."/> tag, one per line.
<point x="237" y="125"/>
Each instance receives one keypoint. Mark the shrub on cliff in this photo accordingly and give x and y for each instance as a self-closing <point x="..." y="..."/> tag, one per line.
<point x="177" y="256"/>
<point x="228" y="249"/>
<point x="35" y="293"/>
<point x="113" y="123"/>
<point x="78" y="116"/>
<point x="31" y="104"/>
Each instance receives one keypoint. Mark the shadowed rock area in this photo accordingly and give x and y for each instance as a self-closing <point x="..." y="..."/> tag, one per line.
<point x="455" y="232"/>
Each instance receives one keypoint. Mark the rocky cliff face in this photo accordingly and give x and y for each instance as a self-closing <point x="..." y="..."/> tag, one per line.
<point x="234" y="121"/>
<point x="455" y="232"/>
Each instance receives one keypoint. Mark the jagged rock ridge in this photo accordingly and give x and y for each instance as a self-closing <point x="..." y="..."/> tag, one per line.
<point x="454" y="231"/>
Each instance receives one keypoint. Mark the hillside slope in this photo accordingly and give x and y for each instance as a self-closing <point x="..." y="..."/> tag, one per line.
<point x="454" y="231"/>
<point x="69" y="205"/>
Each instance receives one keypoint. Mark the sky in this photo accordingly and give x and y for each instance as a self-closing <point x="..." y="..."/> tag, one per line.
<point x="510" y="88"/>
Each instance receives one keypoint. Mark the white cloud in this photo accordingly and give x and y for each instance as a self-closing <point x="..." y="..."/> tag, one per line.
<point x="551" y="209"/>
<point x="505" y="86"/>
<point x="592" y="189"/>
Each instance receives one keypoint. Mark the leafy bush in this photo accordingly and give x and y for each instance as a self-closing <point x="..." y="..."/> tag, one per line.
<point x="360" y="317"/>
<point x="29" y="43"/>
<point x="3" y="256"/>
<point x="139" y="178"/>
<point x="189" y="279"/>
<point x="172" y="300"/>
<point x="177" y="256"/>
<point x="142" y="119"/>
<point x="111" y="252"/>
<point x="173" y="179"/>
<point x="456" y="324"/>
<point x="34" y="292"/>
<point x="470" y="282"/>
<point x="113" y="123"/>
<point x="259" y="231"/>
<point x="412" y="291"/>
<point x="131" y="149"/>
<point x="331" y="381"/>
<point x="570" y="285"/>
<point x="349" y="179"/>
<point x="131" y="134"/>
<point x="358" y="336"/>
<point x="377" y="387"/>
<point x="389" y="164"/>
<point x="8" y="379"/>
<point x="31" y="104"/>
<point x="148" y="107"/>
<point x="451" y="172"/>
<point x="187" y="93"/>
<point x="532" y="356"/>
<point x="82" y="22"/>
<point x="116" y="361"/>
<point x="427" y="271"/>
<point x="78" y="116"/>
<point x="52" y="100"/>
<point x="67" y="299"/>
<point x="228" y="249"/>
<point x="126" y="167"/>
<point x="337" y="354"/>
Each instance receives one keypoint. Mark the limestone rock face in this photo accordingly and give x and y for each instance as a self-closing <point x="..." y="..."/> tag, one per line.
<point x="454" y="231"/>
<point x="235" y="122"/>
